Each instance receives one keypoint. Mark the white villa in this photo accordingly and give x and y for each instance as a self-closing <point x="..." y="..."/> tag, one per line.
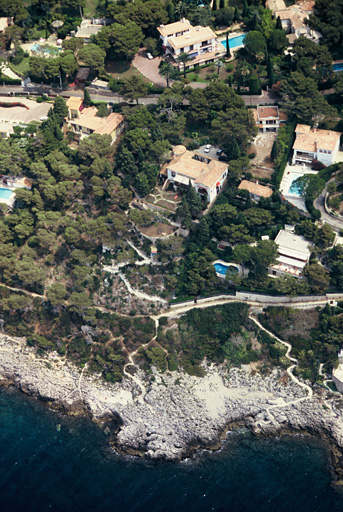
<point x="293" y="254"/>
<point x="313" y="144"/>
<point x="200" y="43"/>
<point x="206" y="175"/>
<point x="269" y="119"/>
<point x="90" y="27"/>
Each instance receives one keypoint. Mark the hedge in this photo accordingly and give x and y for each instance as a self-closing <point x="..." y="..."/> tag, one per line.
<point x="279" y="169"/>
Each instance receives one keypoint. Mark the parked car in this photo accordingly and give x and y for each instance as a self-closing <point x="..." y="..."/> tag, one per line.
<point x="219" y="152"/>
<point x="150" y="57"/>
<point x="223" y="158"/>
<point x="207" y="148"/>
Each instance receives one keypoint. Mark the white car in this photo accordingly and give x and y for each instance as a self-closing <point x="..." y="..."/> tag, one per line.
<point x="207" y="148"/>
<point x="150" y="57"/>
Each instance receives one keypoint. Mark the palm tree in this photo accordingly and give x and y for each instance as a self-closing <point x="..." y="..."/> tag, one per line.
<point x="259" y="57"/>
<point x="167" y="71"/>
<point x="184" y="58"/>
<point x="218" y="65"/>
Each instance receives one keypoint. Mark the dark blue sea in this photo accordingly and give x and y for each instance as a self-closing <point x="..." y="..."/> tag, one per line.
<point x="43" y="469"/>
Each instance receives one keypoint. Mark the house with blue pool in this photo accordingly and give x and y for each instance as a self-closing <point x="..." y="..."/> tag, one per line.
<point x="199" y="43"/>
<point x="312" y="144"/>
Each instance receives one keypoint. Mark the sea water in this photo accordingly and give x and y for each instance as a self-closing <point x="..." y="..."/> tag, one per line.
<point x="50" y="462"/>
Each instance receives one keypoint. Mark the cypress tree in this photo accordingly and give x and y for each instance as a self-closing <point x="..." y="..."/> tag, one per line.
<point x="271" y="76"/>
<point x="274" y="151"/>
<point x="278" y="23"/>
<point x="245" y="9"/>
<point x="233" y="151"/>
<point x="228" y="53"/>
<point x="171" y="12"/>
<point x="254" y="85"/>
<point x="86" y="98"/>
<point x="222" y="4"/>
<point x="237" y="16"/>
<point x="214" y="5"/>
<point x="230" y="81"/>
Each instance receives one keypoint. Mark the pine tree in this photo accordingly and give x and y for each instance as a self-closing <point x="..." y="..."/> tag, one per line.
<point x="86" y="98"/>
<point x="274" y="151"/>
<point x="278" y="23"/>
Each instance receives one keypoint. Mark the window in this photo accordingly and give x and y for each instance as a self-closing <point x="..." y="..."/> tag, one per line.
<point x="173" y="174"/>
<point x="191" y="47"/>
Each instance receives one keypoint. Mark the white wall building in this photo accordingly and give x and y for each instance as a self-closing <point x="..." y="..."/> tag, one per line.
<point x="337" y="373"/>
<point x="206" y="175"/>
<point x="313" y="144"/>
<point x="293" y="254"/>
<point x="200" y="43"/>
<point x="269" y="119"/>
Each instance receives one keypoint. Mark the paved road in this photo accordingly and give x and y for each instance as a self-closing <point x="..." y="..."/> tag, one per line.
<point x="267" y="97"/>
<point x="336" y="224"/>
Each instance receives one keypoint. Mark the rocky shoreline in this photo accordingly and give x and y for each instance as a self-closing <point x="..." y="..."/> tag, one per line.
<point x="173" y="415"/>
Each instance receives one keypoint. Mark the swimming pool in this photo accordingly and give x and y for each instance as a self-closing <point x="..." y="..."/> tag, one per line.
<point x="223" y="269"/>
<point x="338" y="67"/>
<point x="234" y="42"/>
<point x="39" y="48"/>
<point x="295" y="188"/>
<point x="5" y="193"/>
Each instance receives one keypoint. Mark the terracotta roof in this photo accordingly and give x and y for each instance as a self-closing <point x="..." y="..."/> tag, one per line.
<point x="308" y="139"/>
<point x="201" y="173"/>
<point x="101" y="125"/>
<point x="74" y="103"/>
<point x="255" y="188"/>
<point x="195" y="35"/>
<point x="173" y="28"/>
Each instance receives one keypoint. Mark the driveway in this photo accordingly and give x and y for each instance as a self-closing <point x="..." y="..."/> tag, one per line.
<point x="18" y="115"/>
<point x="149" y="68"/>
<point x="319" y="203"/>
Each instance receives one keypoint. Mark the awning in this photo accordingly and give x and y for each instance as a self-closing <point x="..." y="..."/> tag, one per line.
<point x="217" y="184"/>
<point x="181" y="179"/>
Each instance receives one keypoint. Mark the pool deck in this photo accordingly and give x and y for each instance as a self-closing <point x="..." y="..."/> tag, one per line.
<point x="232" y="36"/>
<point x="226" y="264"/>
<point x="292" y="172"/>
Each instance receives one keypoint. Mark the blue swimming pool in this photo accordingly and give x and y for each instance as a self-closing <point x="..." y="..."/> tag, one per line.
<point x="222" y="269"/>
<point x="39" y="48"/>
<point x="5" y="193"/>
<point x="295" y="188"/>
<point x="338" y="67"/>
<point x="234" y="42"/>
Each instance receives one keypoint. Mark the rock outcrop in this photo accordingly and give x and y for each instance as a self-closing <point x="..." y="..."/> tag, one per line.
<point x="174" y="414"/>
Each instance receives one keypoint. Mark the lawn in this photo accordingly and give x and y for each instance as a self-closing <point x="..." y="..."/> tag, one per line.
<point x="22" y="68"/>
<point x="122" y="69"/>
<point x="93" y="7"/>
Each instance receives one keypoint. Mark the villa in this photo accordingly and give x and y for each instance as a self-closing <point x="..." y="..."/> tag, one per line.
<point x="206" y="175"/>
<point x="313" y="144"/>
<point x="255" y="190"/>
<point x="293" y="254"/>
<point x="293" y="20"/>
<point x="84" y="121"/>
<point x="269" y="119"/>
<point x="5" y="23"/>
<point x="199" y="43"/>
<point x="89" y="28"/>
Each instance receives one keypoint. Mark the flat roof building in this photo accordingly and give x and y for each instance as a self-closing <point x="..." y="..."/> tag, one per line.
<point x="293" y="254"/>
<point x="269" y="119"/>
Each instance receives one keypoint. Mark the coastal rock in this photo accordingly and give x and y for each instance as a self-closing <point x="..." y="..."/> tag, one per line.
<point x="172" y="417"/>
